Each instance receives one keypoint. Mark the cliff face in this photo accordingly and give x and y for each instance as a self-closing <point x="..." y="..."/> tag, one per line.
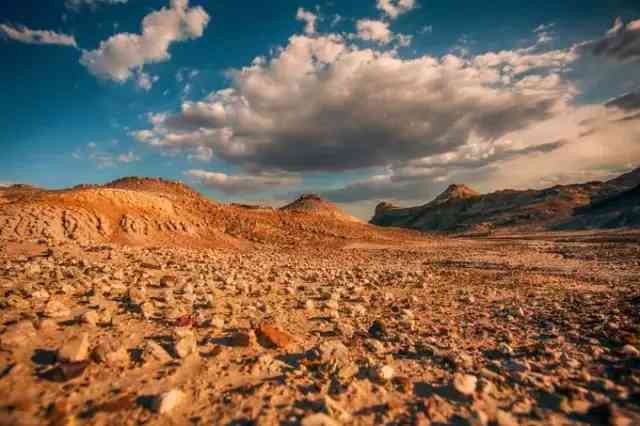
<point x="461" y="209"/>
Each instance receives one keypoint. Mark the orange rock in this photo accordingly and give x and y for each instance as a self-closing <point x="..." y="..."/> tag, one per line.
<point x="271" y="336"/>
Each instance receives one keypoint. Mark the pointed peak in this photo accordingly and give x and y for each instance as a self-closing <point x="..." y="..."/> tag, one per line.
<point x="455" y="192"/>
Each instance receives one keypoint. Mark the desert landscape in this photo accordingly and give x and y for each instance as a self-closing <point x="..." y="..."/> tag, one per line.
<point x="319" y="213"/>
<point x="142" y="302"/>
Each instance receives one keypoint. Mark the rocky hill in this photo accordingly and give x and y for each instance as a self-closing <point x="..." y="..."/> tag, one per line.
<point x="149" y="211"/>
<point x="313" y="204"/>
<point x="461" y="209"/>
<point x="617" y="211"/>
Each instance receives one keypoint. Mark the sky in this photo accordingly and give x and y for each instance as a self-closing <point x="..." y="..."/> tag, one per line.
<point x="360" y="101"/>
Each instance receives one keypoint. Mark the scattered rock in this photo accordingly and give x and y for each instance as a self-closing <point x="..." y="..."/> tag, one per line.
<point x="271" y="336"/>
<point x="75" y="349"/>
<point x="465" y="384"/>
<point x="166" y="402"/>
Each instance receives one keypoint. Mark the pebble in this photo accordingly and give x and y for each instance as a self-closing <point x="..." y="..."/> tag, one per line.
<point x="90" y="318"/>
<point x="168" y="401"/>
<point x="272" y="336"/>
<point x="56" y="309"/>
<point x="186" y="343"/>
<point x="465" y="383"/>
<point x="75" y="349"/>
<point x="154" y="352"/>
<point x="378" y="330"/>
<point x="318" y="419"/>
<point x="382" y="373"/>
<point x="630" y="351"/>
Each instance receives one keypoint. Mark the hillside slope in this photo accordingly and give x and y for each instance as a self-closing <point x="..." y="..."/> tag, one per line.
<point x="145" y="211"/>
<point x="460" y="209"/>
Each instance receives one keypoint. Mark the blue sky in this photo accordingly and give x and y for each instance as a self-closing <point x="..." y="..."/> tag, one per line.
<point x="360" y="101"/>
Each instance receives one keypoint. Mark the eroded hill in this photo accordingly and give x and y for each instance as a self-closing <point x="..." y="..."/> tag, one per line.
<point x="145" y="211"/>
<point x="461" y="209"/>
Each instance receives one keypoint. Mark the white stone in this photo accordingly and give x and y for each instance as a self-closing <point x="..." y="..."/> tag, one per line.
<point x="465" y="383"/>
<point x="168" y="401"/>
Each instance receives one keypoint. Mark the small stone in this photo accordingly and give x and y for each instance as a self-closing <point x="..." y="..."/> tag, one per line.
<point x="168" y="401"/>
<point x="56" y="309"/>
<point x="332" y="351"/>
<point x="110" y="354"/>
<point x="465" y="383"/>
<point x="377" y="330"/>
<point x="270" y="335"/>
<point x="318" y="419"/>
<point x="186" y="343"/>
<point x="504" y="418"/>
<point x="382" y="373"/>
<point x="344" y="329"/>
<point x="630" y="351"/>
<point x="154" y="352"/>
<point x="90" y="318"/>
<point x="217" y="322"/>
<point x="75" y="349"/>
<point x="242" y="339"/>
<point x="374" y="346"/>
<point x="505" y="349"/>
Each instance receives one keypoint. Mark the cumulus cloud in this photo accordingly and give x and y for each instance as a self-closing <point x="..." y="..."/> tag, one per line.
<point x="29" y="36"/>
<point x="119" y="56"/>
<point x="309" y="20"/>
<point x="321" y="104"/>
<point x="377" y="31"/>
<point x="594" y="145"/>
<point x="244" y="184"/>
<point x="621" y="42"/>
<point x="395" y="8"/>
<point x="78" y="4"/>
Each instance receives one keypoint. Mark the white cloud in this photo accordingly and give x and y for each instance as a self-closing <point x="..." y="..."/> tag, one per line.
<point x="29" y="36"/>
<point x="77" y="4"/>
<point x="377" y="31"/>
<point x="309" y="19"/>
<point x="395" y="8"/>
<point x="119" y="56"/>
<point x="321" y="104"/>
<point x="245" y="184"/>
<point x="145" y="81"/>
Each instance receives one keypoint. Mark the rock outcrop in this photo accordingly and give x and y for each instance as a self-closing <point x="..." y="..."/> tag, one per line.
<point x="461" y="209"/>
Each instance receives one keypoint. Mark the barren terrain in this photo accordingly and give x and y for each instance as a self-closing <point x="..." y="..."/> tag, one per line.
<point x="151" y="305"/>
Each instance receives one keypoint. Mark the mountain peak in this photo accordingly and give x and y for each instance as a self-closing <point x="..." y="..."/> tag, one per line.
<point x="455" y="192"/>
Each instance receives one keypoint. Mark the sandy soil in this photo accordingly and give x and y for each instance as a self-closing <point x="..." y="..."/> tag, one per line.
<point x="540" y="331"/>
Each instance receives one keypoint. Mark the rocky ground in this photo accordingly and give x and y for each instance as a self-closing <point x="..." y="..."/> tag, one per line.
<point x="431" y="331"/>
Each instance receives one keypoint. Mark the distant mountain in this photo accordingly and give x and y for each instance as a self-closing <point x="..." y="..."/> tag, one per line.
<point x="621" y="210"/>
<point x="314" y="204"/>
<point x="461" y="209"/>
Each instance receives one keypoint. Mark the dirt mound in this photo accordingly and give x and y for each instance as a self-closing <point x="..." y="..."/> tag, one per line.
<point x="314" y="204"/>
